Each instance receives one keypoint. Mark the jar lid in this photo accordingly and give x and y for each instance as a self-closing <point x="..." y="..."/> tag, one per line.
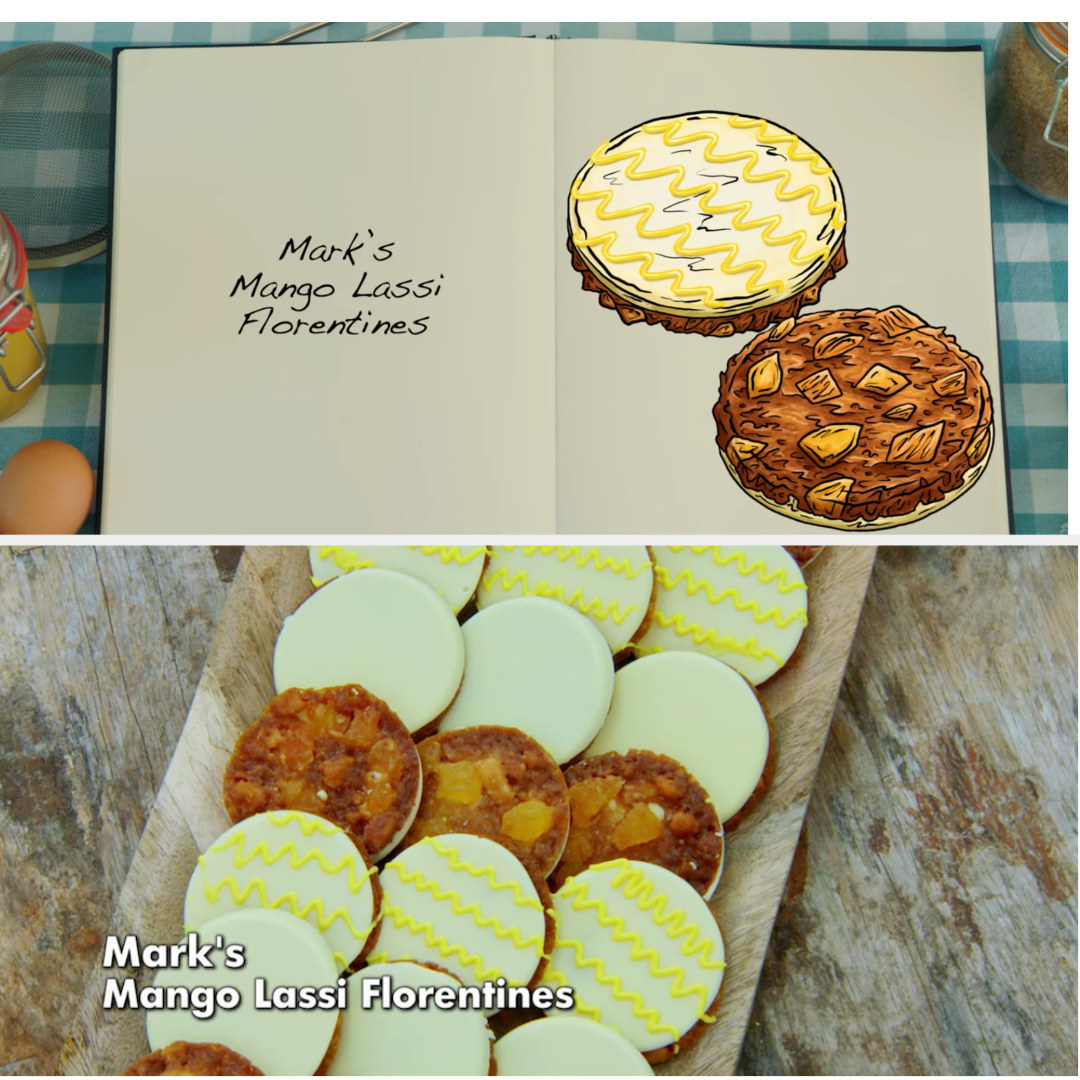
<point x="1052" y="38"/>
<point x="15" y="313"/>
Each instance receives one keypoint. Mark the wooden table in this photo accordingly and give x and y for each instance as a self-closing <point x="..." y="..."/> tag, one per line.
<point x="930" y="921"/>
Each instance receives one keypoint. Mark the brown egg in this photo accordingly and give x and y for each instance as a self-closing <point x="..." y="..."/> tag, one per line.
<point x="46" y="488"/>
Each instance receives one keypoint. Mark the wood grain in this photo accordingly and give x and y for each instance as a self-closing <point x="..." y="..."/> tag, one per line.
<point x="237" y="682"/>
<point x="101" y="650"/>
<point x="931" y="927"/>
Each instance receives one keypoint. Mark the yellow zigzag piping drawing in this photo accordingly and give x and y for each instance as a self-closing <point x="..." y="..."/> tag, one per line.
<point x="695" y="585"/>
<point x="439" y="942"/>
<point x="456" y="862"/>
<point x="758" y="567"/>
<point x="576" y="599"/>
<point x="767" y="226"/>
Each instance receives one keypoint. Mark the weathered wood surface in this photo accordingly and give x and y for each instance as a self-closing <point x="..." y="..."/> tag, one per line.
<point x="873" y="965"/>
<point x="930" y="923"/>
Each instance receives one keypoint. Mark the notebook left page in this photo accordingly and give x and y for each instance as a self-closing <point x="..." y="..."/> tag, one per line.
<point x="331" y="297"/>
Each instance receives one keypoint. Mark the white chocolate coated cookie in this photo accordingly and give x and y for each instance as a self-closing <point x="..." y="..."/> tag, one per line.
<point x="745" y="606"/>
<point x="378" y="1041"/>
<point x="284" y="951"/>
<point x="706" y="214"/>
<point x="698" y="711"/>
<point x="466" y="904"/>
<point x="641" y="949"/>
<point x="288" y="860"/>
<point x="612" y="585"/>
<point x="453" y="572"/>
<point x="385" y="631"/>
<point x="567" y="1046"/>
<point x="539" y="666"/>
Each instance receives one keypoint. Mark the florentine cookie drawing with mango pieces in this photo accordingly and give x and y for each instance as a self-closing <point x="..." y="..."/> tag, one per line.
<point x="709" y="223"/>
<point x="855" y="419"/>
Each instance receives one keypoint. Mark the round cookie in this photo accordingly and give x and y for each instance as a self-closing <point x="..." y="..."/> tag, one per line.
<point x="692" y="708"/>
<point x="537" y="665"/>
<point x="288" y="860"/>
<point x="466" y="904"/>
<point x="642" y="806"/>
<point x="854" y="419"/>
<point x="377" y="1041"/>
<point x="709" y="223"/>
<point x="386" y="631"/>
<point x="453" y="572"/>
<point x="193" y="1059"/>
<point x="283" y="950"/>
<point x="642" y="951"/>
<point x="340" y="753"/>
<point x="495" y="782"/>
<point x="745" y="606"/>
<point x="567" y="1046"/>
<point x="612" y="585"/>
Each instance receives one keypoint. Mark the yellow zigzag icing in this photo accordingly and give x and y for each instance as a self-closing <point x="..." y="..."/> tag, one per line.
<point x="758" y="568"/>
<point x="635" y="886"/>
<point x="767" y="225"/>
<point x="702" y="635"/>
<point x="350" y="560"/>
<point x="695" y="585"/>
<point x="595" y="607"/>
<point x="592" y="555"/>
<point x="440" y="942"/>
<point x="459" y="907"/>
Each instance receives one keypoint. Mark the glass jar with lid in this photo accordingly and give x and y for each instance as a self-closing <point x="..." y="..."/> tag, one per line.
<point x="23" y="354"/>
<point x="1028" y="107"/>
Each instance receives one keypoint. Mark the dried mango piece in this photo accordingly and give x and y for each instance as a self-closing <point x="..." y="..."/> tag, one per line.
<point x="831" y="443"/>
<point x="952" y="385"/>
<point x="640" y="826"/>
<point x="458" y="781"/>
<point x="494" y="779"/>
<point x="898" y="320"/>
<point x="830" y="498"/>
<point x="979" y="445"/>
<point x="835" y="345"/>
<point x="917" y="446"/>
<point x="901" y="412"/>
<point x="882" y="381"/>
<point x="820" y="386"/>
<point x="740" y="449"/>
<point x="589" y="796"/>
<point x="528" y="821"/>
<point x="765" y="376"/>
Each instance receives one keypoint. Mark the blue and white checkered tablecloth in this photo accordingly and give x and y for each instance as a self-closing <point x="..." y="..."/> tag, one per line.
<point x="1030" y="246"/>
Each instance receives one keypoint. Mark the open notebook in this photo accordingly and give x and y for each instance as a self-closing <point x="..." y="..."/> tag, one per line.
<point x="341" y="298"/>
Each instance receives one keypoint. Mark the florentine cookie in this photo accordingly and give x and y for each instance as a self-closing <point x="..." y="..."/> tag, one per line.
<point x="340" y="753"/>
<point x="745" y="606"/>
<point x="289" y="860"/>
<point x="278" y="948"/>
<point x="643" y="952"/>
<point x="378" y="1041"/>
<point x="612" y="585"/>
<point x="496" y="782"/>
<point x="854" y="419"/>
<point x="537" y="665"/>
<point x="193" y="1059"/>
<point x="642" y="806"/>
<point x="453" y="572"/>
<point x="693" y="708"/>
<point x="709" y="223"/>
<point x="466" y="904"/>
<point x="567" y="1046"/>
<point x="382" y="630"/>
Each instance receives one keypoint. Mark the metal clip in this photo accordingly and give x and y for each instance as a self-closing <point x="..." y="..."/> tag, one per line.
<point x="1061" y="81"/>
<point x="19" y="306"/>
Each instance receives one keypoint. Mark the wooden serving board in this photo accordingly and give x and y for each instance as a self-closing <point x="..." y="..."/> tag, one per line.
<point x="237" y="683"/>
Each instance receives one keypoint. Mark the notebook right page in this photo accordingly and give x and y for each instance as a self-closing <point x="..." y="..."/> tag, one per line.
<point x="823" y="216"/>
